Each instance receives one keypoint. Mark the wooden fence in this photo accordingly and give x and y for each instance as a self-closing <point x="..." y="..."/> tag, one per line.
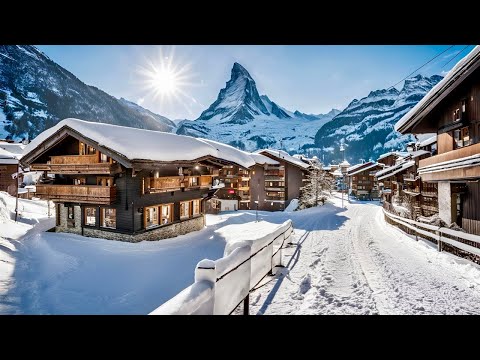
<point x="222" y="285"/>
<point x="456" y="242"/>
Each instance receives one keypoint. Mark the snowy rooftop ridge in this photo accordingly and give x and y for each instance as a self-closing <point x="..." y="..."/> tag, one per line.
<point x="392" y="170"/>
<point x="398" y="153"/>
<point x="369" y="165"/>
<point x="262" y="159"/>
<point x="428" y="141"/>
<point x="140" y="144"/>
<point x="7" y="158"/>
<point x="284" y="156"/>
<point x="439" y="91"/>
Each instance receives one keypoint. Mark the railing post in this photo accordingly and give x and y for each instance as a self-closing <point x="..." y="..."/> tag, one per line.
<point x="206" y="271"/>
<point x="439" y="241"/>
<point x="246" y="305"/>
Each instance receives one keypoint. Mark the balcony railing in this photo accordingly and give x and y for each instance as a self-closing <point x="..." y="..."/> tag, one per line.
<point x="89" y="194"/>
<point x="430" y="208"/>
<point x="451" y="155"/>
<point x="74" y="159"/>
<point x="430" y="193"/>
<point x="244" y="188"/>
<point x="274" y="177"/>
<point x="76" y="164"/>
<point x="174" y="183"/>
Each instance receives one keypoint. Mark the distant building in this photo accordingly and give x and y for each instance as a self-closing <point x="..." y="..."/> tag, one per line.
<point x="8" y="172"/>
<point x="362" y="182"/>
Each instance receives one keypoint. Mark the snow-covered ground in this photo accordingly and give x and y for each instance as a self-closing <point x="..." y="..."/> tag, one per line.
<point x="349" y="261"/>
<point x="343" y="261"/>
<point x="58" y="273"/>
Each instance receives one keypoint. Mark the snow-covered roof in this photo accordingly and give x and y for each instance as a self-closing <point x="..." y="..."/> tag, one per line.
<point x="140" y="144"/>
<point x="428" y="141"/>
<point x="356" y="166"/>
<point x="14" y="148"/>
<point x="392" y="170"/>
<point x="337" y="173"/>
<point x="230" y="153"/>
<point x="367" y="166"/>
<point x="7" y="158"/>
<point x="285" y="156"/>
<point x="454" y="77"/>
<point x="397" y="153"/>
<point x="262" y="159"/>
<point x="417" y="153"/>
<point x="344" y="163"/>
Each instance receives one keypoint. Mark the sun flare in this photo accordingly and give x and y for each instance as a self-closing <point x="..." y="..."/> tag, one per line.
<point x="165" y="81"/>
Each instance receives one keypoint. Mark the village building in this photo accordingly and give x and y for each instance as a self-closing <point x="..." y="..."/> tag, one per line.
<point x="124" y="183"/>
<point x="452" y="111"/>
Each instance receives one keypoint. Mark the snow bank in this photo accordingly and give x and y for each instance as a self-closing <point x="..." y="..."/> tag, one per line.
<point x="292" y="206"/>
<point x="248" y="258"/>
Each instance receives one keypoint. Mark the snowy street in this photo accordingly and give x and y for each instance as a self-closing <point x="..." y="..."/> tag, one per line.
<point x="343" y="261"/>
<point x="351" y="262"/>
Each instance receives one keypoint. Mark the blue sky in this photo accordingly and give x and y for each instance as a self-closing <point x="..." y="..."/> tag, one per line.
<point x="312" y="79"/>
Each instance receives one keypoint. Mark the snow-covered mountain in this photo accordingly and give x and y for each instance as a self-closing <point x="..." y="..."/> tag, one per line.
<point x="36" y="93"/>
<point x="243" y="118"/>
<point x="366" y="125"/>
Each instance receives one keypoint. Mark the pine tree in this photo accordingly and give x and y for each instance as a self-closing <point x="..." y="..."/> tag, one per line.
<point x="318" y="188"/>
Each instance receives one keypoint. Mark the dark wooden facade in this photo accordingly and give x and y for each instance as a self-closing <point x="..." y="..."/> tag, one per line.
<point x="237" y="185"/>
<point x="362" y="181"/>
<point x="114" y="198"/>
<point x="455" y="170"/>
<point x="7" y="183"/>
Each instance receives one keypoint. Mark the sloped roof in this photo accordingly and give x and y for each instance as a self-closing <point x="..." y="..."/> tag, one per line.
<point x="392" y="170"/>
<point x="139" y="144"/>
<point x="280" y="154"/>
<point x="454" y="78"/>
<point x="262" y="159"/>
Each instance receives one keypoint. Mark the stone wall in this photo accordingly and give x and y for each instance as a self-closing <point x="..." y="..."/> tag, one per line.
<point x="445" y="201"/>
<point x="169" y="231"/>
<point x="77" y="215"/>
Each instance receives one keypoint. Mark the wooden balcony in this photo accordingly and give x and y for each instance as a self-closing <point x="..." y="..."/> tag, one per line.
<point x="175" y="183"/>
<point x="88" y="194"/>
<point x="74" y="159"/>
<point x="77" y="164"/>
<point x="244" y="188"/>
<point x="451" y="155"/>
<point x="429" y="208"/>
<point x="430" y="193"/>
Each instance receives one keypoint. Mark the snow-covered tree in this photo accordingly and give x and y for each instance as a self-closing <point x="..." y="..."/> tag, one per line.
<point x="319" y="186"/>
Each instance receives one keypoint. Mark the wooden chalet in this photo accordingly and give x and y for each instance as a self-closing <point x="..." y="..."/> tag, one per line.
<point x="452" y="111"/>
<point x="8" y="167"/>
<point x="362" y="182"/>
<point x="275" y="183"/>
<point x="124" y="183"/>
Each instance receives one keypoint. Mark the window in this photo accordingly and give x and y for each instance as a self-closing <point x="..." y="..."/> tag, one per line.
<point x="79" y="181"/>
<point x="151" y="216"/>
<point x="104" y="181"/>
<point x="57" y="213"/>
<point x="70" y="217"/>
<point x="184" y="209"/>
<point x="109" y="218"/>
<point x="196" y="207"/>
<point x="193" y="181"/>
<point x="456" y="115"/>
<point x="462" y="137"/>
<point x="104" y="158"/>
<point x="90" y="218"/>
<point x="166" y="213"/>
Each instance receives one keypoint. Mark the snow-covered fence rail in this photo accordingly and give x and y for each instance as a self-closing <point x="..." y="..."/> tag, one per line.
<point x="466" y="243"/>
<point x="222" y="285"/>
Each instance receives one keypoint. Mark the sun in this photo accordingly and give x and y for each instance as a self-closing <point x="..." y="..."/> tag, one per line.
<point x="165" y="81"/>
